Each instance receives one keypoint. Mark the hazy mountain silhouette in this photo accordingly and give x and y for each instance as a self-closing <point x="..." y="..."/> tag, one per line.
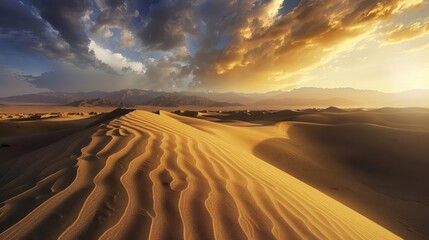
<point x="304" y="97"/>
<point x="175" y="100"/>
<point x="99" y="102"/>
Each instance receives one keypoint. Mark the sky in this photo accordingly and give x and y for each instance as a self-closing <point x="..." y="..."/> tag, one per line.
<point x="213" y="45"/>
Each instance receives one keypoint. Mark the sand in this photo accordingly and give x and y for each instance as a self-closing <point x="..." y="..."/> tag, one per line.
<point x="372" y="161"/>
<point x="142" y="175"/>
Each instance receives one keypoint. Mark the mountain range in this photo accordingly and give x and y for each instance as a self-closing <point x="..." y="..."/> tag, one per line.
<point x="176" y="100"/>
<point x="301" y="97"/>
<point x="99" y="102"/>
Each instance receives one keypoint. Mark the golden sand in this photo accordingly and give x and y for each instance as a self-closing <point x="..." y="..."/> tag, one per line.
<point x="152" y="176"/>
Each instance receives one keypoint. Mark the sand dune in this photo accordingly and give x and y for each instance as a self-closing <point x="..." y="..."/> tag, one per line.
<point x="379" y="171"/>
<point x="375" y="162"/>
<point x="152" y="176"/>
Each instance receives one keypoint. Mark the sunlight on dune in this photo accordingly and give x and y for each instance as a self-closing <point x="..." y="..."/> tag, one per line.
<point x="148" y="175"/>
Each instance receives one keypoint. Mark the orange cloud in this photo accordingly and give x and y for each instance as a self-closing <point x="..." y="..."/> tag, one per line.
<point x="261" y="56"/>
<point x="402" y="33"/>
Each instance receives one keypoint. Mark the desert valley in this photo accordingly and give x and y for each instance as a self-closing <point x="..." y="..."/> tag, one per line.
<point x="100" y="172"/>
<point x="214" y="119"/>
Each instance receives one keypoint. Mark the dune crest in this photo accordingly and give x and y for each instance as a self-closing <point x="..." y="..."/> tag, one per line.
<point x="145" y="175"/>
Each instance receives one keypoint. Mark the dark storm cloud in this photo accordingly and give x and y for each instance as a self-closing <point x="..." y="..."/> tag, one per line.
<point x="52" y="28"/>
<point x="11" y="11"/>
<point x="22" y="30"/>
<point x="65" y="17"/>
<point x="114" y="13"/>
<point x="163" y="74"/>
<point x="168" y="22"/>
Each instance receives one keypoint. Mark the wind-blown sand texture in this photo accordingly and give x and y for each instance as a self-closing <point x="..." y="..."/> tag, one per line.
<point x="145" y="175"/>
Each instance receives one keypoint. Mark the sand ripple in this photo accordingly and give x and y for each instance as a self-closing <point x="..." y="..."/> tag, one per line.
<point x="145" y="175"/>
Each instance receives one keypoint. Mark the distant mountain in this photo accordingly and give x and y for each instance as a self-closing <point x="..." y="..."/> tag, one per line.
<point x="224" y="104"/>
<point x="129" y="96"/>
<point x="98" y="102"/>
<point x="333" y="110"/>
<point x="48" y="97"/>
<point x="135" y="96"/>
<point x="176" y="100"/>
<point x="235" y="97"/>
<point x="301" y="97"/>
<point x="326" y="93"/>
<point x="347" y="97"/>
<point x="232" y="97"/>
<point x="306" y="102"/>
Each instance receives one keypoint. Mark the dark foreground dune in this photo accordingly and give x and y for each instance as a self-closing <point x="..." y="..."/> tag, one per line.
<point x="138" y="175"/>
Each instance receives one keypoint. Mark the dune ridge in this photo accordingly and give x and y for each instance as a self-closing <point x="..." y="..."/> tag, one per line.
<point x="145" y="175"/>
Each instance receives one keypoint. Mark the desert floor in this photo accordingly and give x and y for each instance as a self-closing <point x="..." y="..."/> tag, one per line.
<point x="93" y="173"/>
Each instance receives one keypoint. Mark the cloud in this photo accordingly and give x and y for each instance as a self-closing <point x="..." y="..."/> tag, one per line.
<point x="12" y="83"/>
<point x="160" y="74"/>
<point x="65" y="17"/>
<point x="416" y="49"/>
<point x="52" y="28"/>
<point x="116" y="14"/>
<point x="127" y="39"/>
<point x="167" y="73"/>
<point x="244" y="45"/>
<point x="262" y="55"/>
<point x="410" y="4"/>
<point x="168" y="22"/>
<point x="107" y="34"/>
<point x="401" y="33"/>
<point x="25" y="31"/>
<point x="68" y="77"/>
<point x="115" y="60"/>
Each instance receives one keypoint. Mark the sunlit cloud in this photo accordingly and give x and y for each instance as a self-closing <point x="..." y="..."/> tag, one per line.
<point x="403" y="33"/>
<point x="115" y="60"/>
<point x="219" y="45"/>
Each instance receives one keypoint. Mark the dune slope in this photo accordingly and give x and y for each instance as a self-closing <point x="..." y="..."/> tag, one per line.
<point x="374" y="162"/>
<point x="145" y="175"/>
